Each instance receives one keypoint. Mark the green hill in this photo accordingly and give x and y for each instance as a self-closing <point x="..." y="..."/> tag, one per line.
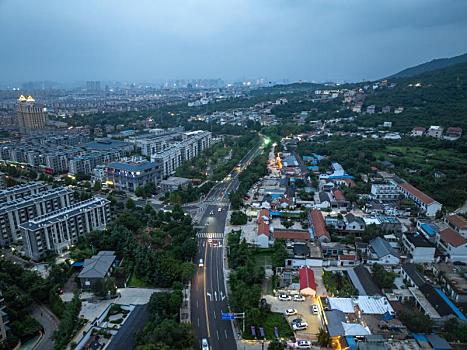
<point x="435" y="64"/>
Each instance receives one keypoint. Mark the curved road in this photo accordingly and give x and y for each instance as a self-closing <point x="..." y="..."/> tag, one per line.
<point x="49" y="324"/>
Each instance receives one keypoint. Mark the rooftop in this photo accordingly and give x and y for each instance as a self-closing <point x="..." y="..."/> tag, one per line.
<point x="132" y="166"/>
<point x="458" y="221"/>
<point x="98" y="265"/>
<point x="451" y="237"/>
<point x="417" y="193"/>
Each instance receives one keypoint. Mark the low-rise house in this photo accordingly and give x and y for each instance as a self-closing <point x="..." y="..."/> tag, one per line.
<point x="435" y="131"/>
<point x="96" y="268"/>
<point x="418" y="131"/>
<point x="174" y="183"/>
<point x="411" y="276"/>
<point x="427" y="204"/>
<point x="381" y="252"/>
<point x="263" y="234"/>
<point x="307" y="281"/>
<point x="453" y="280"/>
<point x="418" y="249"/>
<point x="452" y="244"/>
<point x="347" y="260"/>
<point x="291" y="235"/>
<point x="338" y="200"/>
<point x="354" y="224"/>
<point x="457" y="223"/>
<point x="429" y="230"/>
<point x="385" y="192"/>
<point x="453" y="133"/>
<point x="318" y="226"/>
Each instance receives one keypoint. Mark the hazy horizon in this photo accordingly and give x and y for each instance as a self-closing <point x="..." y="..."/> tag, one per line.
<point x="151" y="41"/>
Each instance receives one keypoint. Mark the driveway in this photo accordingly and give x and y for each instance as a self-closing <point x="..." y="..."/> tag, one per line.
<point x="49" y="323"/>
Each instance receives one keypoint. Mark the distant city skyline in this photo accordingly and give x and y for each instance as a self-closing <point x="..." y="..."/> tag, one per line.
<point x="239" y="40"/>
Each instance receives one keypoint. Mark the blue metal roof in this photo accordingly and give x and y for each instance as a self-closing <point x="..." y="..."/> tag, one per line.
<point x="429" y="229"/>
<point x="454" y="308"/>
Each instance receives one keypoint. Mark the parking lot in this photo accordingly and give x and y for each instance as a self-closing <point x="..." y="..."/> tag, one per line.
<point x="304" y="311"/>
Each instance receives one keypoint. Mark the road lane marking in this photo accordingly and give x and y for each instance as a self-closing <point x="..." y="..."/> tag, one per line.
<point x="198" y="322"/>
<point x="197" y="304"/>
<point x="217" y="332"/>
<point x="205" y="295"/>
<point x="215" y="315"/>
<point x="225" y="332"/>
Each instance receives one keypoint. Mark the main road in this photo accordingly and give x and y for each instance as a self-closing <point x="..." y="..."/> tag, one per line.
<point x="208" y="291"/>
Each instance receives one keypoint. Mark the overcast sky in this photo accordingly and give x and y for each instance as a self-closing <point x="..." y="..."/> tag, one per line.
<point x="151" y="40"/>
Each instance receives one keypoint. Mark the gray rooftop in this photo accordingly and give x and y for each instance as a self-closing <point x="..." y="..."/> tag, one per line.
<point x="24" y="202"/>
<point x="335" y="319"/>
<point x="59" y="215"/>
<point x="381" y="247"/>
<point x="98" y="265"/>
<point x="132" y="166"/>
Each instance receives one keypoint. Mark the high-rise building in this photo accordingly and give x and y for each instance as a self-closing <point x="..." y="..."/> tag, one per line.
<point x="29" y="116"/>
<point x="93" y="86"/>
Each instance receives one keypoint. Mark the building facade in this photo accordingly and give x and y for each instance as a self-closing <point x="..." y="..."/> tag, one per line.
<point x="129" y="175"/>
<point x="29" y="116"/>
<point x="16" y="212"/>
<point x="21" y="191"/>
<point x="58" y="230"/>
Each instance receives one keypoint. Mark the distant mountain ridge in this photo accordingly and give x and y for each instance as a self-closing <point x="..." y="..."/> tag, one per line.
<point x="435" y="64"/>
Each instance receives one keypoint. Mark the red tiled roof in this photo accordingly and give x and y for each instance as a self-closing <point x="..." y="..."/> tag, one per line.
<point x="458" y="221"/>
<point x="417" y="193"/>
<point x="307" y="278"/>
<point x="291" y="234"/>
<point x="454" y="130"/>
<point x="450" y="236"/>
<point x="419" y="128"/>
<point x="318" y="223"/>
<point x="348" y="257"/>
<point x="263" y="229"/>
<point x="339" y="195"/>
<point x="262" y="214"/>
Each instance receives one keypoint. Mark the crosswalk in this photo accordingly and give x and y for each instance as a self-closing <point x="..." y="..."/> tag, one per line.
<point x="214" y="235"/>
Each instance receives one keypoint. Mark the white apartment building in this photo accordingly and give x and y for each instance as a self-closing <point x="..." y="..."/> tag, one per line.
<point x="15" y="212"/>
<point x="385" y="192"/>
<point x="57" y="230"/>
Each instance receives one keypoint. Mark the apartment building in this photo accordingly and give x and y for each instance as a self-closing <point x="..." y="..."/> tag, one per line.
<point x="29" y="116"/>
<point x="21" y="191"/>
<point x="128" y="175"/>
<point x="57" y="230"/>
<point x="15" y="212"/>
<point x="169" y="160"/>
<point x="86" y="164"/>
<point x="385" y="192"/>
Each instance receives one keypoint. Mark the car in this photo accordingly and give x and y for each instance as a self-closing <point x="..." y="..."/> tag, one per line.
<point x="285" y="297"/>
<point x="296" y="320"/>
<point x="290" y="312"/>
<point x="209" y="240"/>
<point x="298" y="298"/>
<point x="315" y="309"/>
<point x="300" y="326"/>
<point x="303" y="344"/>
<point x="211" y="213"/>
<point x="219" y="209"/>
<point x="201" y="263"/>
<point x="204" y="344"/>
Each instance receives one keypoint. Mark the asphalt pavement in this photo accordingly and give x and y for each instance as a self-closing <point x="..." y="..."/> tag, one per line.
<point x="49" y="324"/>
<point x="208" y="292"/>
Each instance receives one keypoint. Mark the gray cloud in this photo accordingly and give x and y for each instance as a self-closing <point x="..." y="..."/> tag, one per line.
<point x="147" y="40"/>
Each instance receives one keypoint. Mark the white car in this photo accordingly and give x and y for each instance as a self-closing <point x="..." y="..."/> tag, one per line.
<point x="290" y="312"/>
<point x="298" y="298"/>
<point x="204" y="344"/>
<point x="201" y="263"/>
<point x="219" y="209"/>
<point x="211" y="213"/>
<point x="285" y="297"/>
<point x="303" y="344"/>
<point x="300" y="326"/>
<point x="315" y="309"/>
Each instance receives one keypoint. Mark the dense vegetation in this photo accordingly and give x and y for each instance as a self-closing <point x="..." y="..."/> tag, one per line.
<point x="157" y="247"/>
<point x="245" y="284"/>
<point x="338" y="284"/>
<point x="417" y="160"/>
<point x="164" y="330"/>
<point x="256" y="170"/>
<point x="21" y="289"/>
<point x="383" y="278"/>
<point x="69" y="324"/>
<point x="435" y="64"/>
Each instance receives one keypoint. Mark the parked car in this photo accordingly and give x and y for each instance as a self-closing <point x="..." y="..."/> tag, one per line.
<point x="315" y="309"/>
<point x="219" y="209"/>
<point x="290" y="312"/>
<point x="296" y="320"/>
<point x="285" y="297"/>
<point x="300" y="326"/>
<point x="298" y="298"/>
<point x="303" y="344"/>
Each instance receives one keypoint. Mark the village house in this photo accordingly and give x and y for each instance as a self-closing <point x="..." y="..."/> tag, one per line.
<point x="418" y="249"/>
<point x="453" y="133"/>
<point x="381" y="252"/>
<point x="435" y="131"/>
<point x="457" y="223"/>
<point x="452" y="244"/>
<point x="418" y="131"/>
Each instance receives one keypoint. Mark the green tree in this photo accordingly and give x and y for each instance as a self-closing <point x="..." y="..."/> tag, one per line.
<point x="323" y="338"/>
<point x="383" y="278"/>
<point x="415" y="320"/>
<point x="130" y="204"/>
<point x="276" y="345"/>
